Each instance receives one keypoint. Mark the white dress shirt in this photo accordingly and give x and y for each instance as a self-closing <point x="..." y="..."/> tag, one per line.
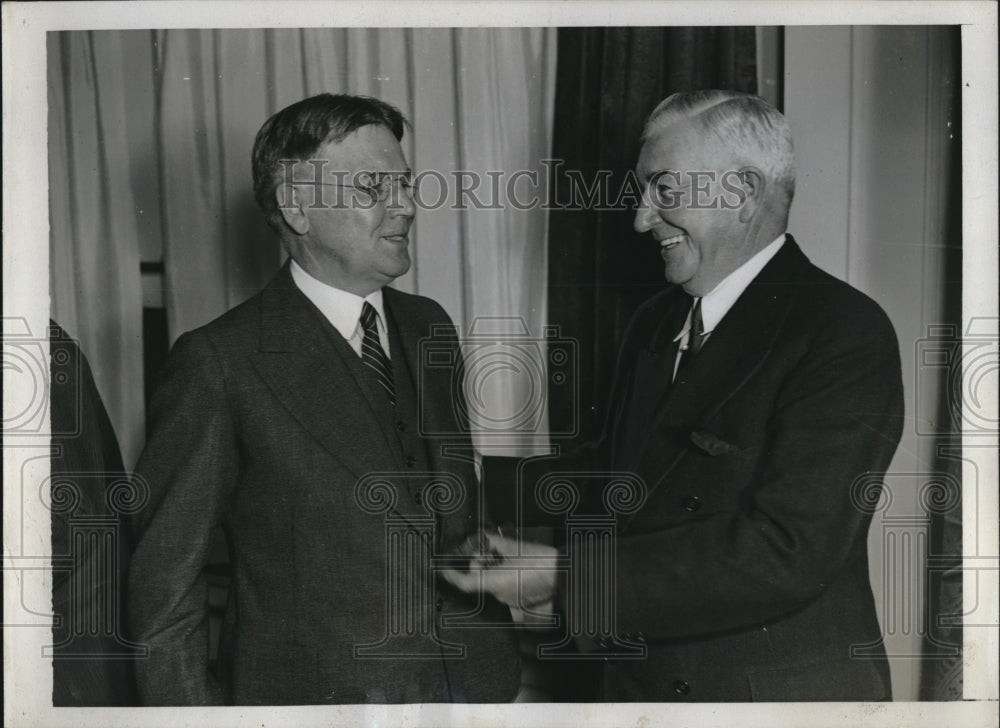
<point x="342" y="309"/>
<point x="716" y="303"/>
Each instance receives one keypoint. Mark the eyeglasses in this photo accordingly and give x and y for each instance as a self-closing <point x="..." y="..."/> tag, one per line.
<point x="384" y="187"/>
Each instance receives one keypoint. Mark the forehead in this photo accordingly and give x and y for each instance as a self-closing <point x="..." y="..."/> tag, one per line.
<point x="370" y="148"/>
<point x="679" y="146"/>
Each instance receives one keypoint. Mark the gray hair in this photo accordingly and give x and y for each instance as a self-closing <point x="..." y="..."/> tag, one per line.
<point x="748" y="125"/>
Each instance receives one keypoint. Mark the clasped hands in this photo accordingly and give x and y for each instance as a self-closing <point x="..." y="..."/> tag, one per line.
<point x="521" y="574"/>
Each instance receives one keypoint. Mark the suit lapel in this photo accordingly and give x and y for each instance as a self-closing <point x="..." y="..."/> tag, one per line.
<point x="650" y="370"/>
<point x="432" y="387"/>
<point x="436" y="409"/>
<point x="734" y="352"/>
<point x="431" y="384"/>
<point x="658" y="358"/>
<point x="306" y="370"/>
<point x="404" y="335"/>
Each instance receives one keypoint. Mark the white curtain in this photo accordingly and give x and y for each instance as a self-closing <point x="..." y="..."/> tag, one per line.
<point x="94" y="261"/>
<point x="151" y="138"/>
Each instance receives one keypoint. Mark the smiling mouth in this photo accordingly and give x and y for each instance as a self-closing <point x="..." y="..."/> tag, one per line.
<point x="668" y="243"/>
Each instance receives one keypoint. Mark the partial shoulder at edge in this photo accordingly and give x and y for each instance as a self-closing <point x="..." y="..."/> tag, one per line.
<point x="834" y="298"/>
<point x="242" y="319"/>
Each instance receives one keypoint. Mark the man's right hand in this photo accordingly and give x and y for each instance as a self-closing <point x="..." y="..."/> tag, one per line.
<point x="525" y="577"/>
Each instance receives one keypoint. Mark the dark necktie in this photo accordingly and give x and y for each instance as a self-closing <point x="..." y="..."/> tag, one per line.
<point x="696" y="336"/>
<point x="372" y="354"/>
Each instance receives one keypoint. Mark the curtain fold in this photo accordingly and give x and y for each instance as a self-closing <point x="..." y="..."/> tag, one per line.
<point x="94" y="271"/>
<point x="600" y="270"/>
<point x="506" y="127"/>
<point x="189" y="142"/>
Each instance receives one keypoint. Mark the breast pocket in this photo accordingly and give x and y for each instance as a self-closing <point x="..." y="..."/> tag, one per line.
<point x="711" y="444"/>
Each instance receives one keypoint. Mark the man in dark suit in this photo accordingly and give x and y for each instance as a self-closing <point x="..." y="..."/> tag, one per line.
<point x="294" y="422"/>
<point x="758" y="399"/>
<point x="92" y="662"/>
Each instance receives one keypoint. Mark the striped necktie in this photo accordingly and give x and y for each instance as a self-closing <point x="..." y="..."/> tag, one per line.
<point x="372" y="354"/>
<point x="696" y="336"/>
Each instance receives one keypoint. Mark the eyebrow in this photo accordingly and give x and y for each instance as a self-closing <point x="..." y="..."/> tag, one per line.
<point x="654" y="173"/>
<point x="673" y="175"/>
<point x="408" y="170"/>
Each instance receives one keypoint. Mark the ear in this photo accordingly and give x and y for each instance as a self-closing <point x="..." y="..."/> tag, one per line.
<point x="292" y="207"/>
<point x="754" y="188"/>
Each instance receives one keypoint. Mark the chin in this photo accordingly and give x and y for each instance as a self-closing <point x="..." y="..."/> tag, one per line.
<point x="679" y="265"/>
<point x="398" y="268"/>
<point x="675" y="276"/>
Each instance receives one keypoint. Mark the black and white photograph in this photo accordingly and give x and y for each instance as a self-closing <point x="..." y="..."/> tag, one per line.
<point x="501" y="363"/>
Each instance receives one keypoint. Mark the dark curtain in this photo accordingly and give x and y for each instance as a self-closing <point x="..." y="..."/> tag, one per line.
<point x="600" y="270"/>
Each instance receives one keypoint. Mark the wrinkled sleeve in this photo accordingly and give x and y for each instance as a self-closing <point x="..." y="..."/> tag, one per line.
<point x="191" y="465"/>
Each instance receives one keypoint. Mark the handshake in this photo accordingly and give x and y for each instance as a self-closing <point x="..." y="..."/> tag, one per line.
<point x="521" y="574"/>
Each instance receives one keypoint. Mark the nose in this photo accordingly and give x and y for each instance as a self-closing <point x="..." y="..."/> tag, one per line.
<point x="400" y="202"/>
<point x="645" y="216"/>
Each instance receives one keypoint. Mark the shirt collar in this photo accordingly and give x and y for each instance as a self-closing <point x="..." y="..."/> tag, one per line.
<point x="716" y="303"/>
<point x="341" y="308"/>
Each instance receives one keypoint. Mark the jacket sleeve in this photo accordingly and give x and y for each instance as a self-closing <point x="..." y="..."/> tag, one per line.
<point x="190" y="464"/>
<point x="838" y="416"/>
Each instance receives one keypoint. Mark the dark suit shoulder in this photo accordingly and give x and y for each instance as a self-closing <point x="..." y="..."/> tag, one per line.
<point x="835" y="304"/>
<point x="419" y="306"/>
<point x="818" y="301"/>
<point x="237" y="320"/>
<point x="235" y="330"/>
<point x="421" y="316"/>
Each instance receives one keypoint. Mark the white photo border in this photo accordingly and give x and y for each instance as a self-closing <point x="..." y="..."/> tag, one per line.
<point x="28" y="680"/>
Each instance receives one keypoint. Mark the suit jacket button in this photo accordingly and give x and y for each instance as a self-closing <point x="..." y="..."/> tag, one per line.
<point x="681" y="687"/>
<point x="410" y="461"/>
<point x="692" y="503"/>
